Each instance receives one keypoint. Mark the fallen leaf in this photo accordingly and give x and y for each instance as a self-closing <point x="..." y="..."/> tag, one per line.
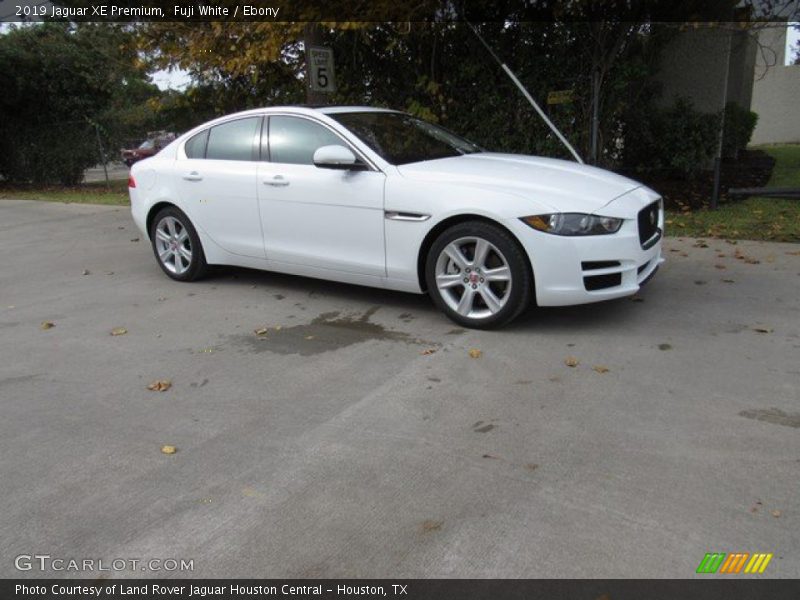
<point x="134" y="239"/>
<point x="86" y="272"/>
<point x="728" y="281"/>
<point x="762" y="329"/>
<point x="794" y="253"/>
<point x="261" y="331"/>
<point x="700" y="244"/>
<point x="119" y="331"/>
<point x="109" y="272"/>
<point x="278" y="327"/>
<point x="428" y="351"/>
<point x="167" y="449"/>
<point x="161" y="298"/>
<point x="776" y="513"/>
<point x="571" y="361"/>
<point x="309" y="337"/>
<point x="600" y="369"/>
<point x="684" y="254"/>
<point x="160" y="385"/>
<point x="492" y="456"/>
<point x="637" y="299"/>
<point x="720" y="267"/>
<point x="664" y="347"/>
<point x="47" y="325"/>
<point x="531" y="466"/>
<point x="250" y="492"/>
<point x="474" y="353"/>
<point x="429" y="525"/>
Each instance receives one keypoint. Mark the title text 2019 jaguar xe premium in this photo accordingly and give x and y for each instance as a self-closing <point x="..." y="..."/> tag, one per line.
<point x="380" y="198"/>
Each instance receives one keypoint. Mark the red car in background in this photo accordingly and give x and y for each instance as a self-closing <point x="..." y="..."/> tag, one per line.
<point x="155" y="142"/>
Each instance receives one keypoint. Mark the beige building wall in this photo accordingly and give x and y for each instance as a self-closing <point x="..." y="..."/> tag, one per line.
<point x="776" y="91"/>
<point x="693" y="66"/>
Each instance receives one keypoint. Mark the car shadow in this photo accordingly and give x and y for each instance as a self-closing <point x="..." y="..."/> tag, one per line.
<point x="583" y="317"/>
<point x="282" y="283"/>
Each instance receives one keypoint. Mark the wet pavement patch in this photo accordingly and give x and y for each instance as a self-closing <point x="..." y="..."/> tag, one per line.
<point x="772" y="415"/>
<point x="329" y="331"/>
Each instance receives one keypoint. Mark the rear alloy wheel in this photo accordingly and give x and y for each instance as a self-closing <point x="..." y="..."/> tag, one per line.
<point x="177" y="246"/>
<point x="477" y="274"/>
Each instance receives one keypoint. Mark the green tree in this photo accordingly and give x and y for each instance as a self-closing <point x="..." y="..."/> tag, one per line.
<point x="63" y="86"/>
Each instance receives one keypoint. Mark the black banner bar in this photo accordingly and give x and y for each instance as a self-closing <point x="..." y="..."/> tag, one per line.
<point x="380" y="11"/>
<point x="732" y="588"/>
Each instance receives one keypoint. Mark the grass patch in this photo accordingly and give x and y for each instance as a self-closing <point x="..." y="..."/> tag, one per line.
<point x="769" y="219"/>
<point x="96" y="192"/>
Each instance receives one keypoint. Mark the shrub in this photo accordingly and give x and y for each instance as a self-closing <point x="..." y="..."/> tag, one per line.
<point x="49" y="154"/>
<point x="739" y="126"/>
<point x="679" y="140"/>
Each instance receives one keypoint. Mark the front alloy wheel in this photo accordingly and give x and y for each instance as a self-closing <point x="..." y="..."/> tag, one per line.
<point x="477" y="274"/>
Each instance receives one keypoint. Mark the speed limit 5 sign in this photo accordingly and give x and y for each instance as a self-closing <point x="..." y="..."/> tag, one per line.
<point x="321" y="63"/>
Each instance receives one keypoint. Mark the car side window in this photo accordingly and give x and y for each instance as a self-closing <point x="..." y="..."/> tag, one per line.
<point x="196" y="146"/>
<point x="293" y="140"/>
<point x="234" y="140"/>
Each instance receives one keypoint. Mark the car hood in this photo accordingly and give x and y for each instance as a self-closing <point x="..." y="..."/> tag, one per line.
<point x="562" y="185"/>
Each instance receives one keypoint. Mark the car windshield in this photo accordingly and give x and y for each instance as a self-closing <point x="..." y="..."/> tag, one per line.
<point x="401" y="139"/>
<point x="146" y="145"/>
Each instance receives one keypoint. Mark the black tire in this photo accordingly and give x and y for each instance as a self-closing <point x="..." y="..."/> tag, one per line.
<point x="515" y="295"/>
<point x="190" y="269"/>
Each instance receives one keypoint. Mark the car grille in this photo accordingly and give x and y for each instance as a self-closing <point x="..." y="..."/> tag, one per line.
<point x="648" y="218"/>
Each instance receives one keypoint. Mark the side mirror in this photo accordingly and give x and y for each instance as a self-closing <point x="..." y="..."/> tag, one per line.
<point x="336" y="157"/>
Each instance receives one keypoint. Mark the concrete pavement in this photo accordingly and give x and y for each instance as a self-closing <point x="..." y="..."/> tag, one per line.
<point x="361" y="440"/>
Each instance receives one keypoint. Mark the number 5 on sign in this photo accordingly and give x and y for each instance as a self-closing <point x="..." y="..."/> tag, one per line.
<point x="322" y="74"/>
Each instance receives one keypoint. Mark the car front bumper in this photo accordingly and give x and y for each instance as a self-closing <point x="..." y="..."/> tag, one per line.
<point x="585" y="269"/>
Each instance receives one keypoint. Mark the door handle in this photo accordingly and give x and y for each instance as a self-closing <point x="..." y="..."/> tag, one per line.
<point x="277" y="181"/>
<point x="193" y="176"/>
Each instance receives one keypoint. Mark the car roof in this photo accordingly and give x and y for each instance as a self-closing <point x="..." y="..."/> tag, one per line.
<point x="332" y="110"/>
<point x="322" y="108"/>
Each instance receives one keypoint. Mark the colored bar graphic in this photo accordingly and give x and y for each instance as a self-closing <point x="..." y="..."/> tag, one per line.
<point x="758" y="563"/>
<point x="734" y="562"/>
<point x="711" y="562"/>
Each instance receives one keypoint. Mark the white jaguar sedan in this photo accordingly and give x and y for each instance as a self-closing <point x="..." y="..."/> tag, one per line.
<point x="380" y="198"/>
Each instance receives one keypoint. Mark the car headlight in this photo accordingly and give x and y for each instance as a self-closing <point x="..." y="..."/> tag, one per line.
<point x="573" y="224"/>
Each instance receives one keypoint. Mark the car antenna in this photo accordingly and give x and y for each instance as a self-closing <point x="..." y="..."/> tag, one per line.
<point x="527" y="95"/>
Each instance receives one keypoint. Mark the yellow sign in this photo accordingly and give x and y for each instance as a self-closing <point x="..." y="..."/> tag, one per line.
<point x="560" y="96"/>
